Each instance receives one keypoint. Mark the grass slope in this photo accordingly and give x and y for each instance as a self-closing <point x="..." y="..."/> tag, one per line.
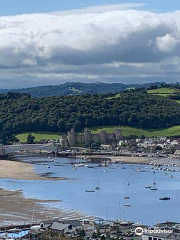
<point x="164" y="92"/>
<point x="38" y="136"/>
<point x="127" y="131"/>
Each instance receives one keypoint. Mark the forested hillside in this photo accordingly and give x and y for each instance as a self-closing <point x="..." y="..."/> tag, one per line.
<point x="75" y="89"/>
<point x="21" y="113"/>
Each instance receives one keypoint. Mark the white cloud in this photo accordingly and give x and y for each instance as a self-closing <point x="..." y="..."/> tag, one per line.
<point x="84" y="43"/>
<point x="167" y="43"/>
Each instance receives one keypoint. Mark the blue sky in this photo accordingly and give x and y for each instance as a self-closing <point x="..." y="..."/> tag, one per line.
<point x="13" y="7"/>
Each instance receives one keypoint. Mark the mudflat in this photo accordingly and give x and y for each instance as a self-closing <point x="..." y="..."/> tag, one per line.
<point x="17" y="209"/>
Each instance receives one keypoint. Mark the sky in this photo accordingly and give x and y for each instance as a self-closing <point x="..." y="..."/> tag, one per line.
<point x="48" y="42"/>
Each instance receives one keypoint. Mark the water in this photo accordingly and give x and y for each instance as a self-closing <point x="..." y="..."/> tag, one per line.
<point x="108" y="202"/>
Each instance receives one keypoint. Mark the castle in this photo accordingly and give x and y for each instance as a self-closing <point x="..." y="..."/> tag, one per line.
<point x="72" y="139"/>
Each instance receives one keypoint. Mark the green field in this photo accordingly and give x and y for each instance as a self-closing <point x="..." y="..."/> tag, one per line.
<point x="163" y="91"/>
<point x="116" y="96"/>
<point x="38" y="136"/>
<point x="127" y="131"/>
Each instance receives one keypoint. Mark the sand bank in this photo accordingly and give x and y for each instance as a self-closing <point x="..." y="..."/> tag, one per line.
<point x="122" y="159"/>
<point x="21" y="171"/>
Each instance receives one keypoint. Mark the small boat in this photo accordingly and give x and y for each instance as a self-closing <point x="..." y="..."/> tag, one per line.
<point x="153" y="189"/>
<point x="127" y="205"/>
<point x="171" y="176"/>
<point x="126" y="197"/>
<point x="164" y="198"/>
<point x="149" y="187"/>
<point x="105" y="171"/>
<point x="79" y="165"/>
<point x="128" y="183"/>
<point x="98" y="186"/>
<point x="48" y="166"/>
<point x="89" y="191"/>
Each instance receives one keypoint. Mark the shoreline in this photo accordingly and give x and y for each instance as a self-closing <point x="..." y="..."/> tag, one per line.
<point x="120" y="159"/>
<point x="22" y="171"/>
<point x="16" y="209"/>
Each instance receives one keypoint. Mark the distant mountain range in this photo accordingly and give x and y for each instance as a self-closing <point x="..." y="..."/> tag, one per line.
<point x="75" y="89"/>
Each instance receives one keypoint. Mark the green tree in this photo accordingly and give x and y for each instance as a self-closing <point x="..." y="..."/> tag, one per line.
<point x="30" y="139"/>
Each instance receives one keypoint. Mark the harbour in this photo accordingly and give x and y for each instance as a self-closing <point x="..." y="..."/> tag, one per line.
<point x="115" y="191"/>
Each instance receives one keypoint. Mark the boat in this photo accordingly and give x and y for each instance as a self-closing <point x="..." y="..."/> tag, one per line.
<point x="48" y="166"/>
<point x="153" y="189"/>
<point x="126" y="197"/>
<point x="89" y="191"/>
<point x="98" y="186"/>
<point x="171" y="176"/>
<point x="149" y="187"/>
<point x="164" y="198"/>
<point x="79" y="165"/>
<point x="127" y="205"/>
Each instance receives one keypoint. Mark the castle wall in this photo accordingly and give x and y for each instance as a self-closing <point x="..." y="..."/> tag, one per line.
<point x="73" y="138"/>
<point x="95" y="137"/>
<point x="80" y="138"/>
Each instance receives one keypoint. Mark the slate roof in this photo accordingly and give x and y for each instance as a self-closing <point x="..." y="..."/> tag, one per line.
<point x="58" y="226"/>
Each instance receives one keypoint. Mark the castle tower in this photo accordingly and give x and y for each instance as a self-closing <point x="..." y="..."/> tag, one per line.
<point x="72" y="137"/>
<point x="118" y="134"/>
<point x="87" y="136"/>
<point x="103" y="137"/>
<point x="63" y="141"/>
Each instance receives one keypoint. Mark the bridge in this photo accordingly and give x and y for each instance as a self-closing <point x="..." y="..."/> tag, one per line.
<point x="49" y="147"/>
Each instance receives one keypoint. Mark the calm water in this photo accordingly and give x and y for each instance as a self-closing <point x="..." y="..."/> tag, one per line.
<point x="108" y="202"/>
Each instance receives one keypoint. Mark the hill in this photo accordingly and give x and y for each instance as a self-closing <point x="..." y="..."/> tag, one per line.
<point x="170" y="92"/>
<point x="132" y="131"/>
<point x="20" y="113"/>
<point x="74" y="89"/>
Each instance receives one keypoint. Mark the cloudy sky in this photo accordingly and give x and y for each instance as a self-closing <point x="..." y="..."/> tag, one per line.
<point x="55" y="41"/>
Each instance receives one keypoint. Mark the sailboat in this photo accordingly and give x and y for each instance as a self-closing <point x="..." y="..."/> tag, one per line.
<point x="98" y="186"/>
<point x="154" y="188"/>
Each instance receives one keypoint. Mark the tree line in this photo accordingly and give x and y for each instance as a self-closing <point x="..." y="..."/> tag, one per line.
<point x="136" y="108"/>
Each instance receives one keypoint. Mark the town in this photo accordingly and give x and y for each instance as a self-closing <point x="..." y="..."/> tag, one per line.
<point x="102" y="144"/>
<point x="85" y="229"/>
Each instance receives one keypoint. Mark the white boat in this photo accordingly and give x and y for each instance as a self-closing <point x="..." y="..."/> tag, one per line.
<point x="127" y="205"/>
<point x="79" y="165"/>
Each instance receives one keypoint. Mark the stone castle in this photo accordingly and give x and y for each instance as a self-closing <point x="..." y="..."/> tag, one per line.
<point x="72" y="139"/>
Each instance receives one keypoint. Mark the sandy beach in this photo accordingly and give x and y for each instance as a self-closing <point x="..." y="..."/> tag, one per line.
<point x="133" y="160"/>
<point x="17" y="209"/>
<point x="21" y="171"/>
